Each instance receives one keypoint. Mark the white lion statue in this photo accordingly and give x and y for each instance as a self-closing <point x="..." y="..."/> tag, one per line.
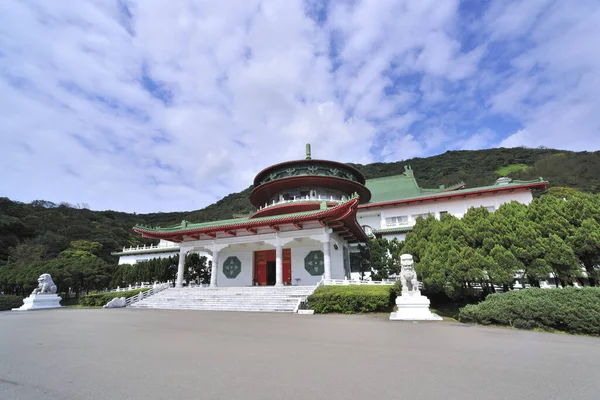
<point x="408" y="276"/>
<point x="45" y="285"/>
<point x="117" y="302"/>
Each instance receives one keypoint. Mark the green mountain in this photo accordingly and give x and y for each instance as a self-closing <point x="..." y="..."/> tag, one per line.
<point x="41" y="230"/>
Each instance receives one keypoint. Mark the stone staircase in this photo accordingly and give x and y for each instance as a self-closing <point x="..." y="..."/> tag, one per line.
<point x="257" y="298"/>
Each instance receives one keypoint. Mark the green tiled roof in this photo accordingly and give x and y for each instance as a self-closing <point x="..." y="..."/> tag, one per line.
<point x="397" y="187"/>
<point x="405" y="187"/>
<point x="398" y="229"/>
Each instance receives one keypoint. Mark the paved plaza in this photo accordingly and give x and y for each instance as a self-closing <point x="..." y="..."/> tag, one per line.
<point x="158" y="354"/>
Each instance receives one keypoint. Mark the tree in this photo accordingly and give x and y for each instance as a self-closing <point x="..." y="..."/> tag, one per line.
<point x="585" y="242"/>
<point x="196" y="269"/>
<point x="561" y="258"/>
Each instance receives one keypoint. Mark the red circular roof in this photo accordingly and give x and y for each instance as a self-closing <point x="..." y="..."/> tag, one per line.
<point x="263" y="193"/>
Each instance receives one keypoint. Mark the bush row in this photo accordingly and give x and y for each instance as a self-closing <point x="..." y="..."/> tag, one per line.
<point x="351" y="299"/>
<point x="100" y="299"/>
<point x="570" y="310"/>
<point x="8" y="302"/>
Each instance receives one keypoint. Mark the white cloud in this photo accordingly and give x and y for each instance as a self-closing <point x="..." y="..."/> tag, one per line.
<point x="158" y="106"/>
<point x="554" y="90"/>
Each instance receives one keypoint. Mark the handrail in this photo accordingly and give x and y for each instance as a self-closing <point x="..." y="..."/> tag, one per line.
<point x="146" y="293"/>
<point x="303" y="299"/>
<point x="141" y="285"/>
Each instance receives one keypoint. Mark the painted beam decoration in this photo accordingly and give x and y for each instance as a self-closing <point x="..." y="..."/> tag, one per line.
<point x="314" y="263"/>
<point x="232" y="267"/>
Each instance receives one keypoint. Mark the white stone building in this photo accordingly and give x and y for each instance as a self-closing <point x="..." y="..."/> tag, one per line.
<point x="309" y="214"/>
<point x="397" y="201"/>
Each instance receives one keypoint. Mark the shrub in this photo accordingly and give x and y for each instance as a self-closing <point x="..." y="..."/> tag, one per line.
<point x="100" y="299"/>
<point x="8" y="302"/>
<point x="568" y="309"/>
<point x="397" y="288"/>
<point x="351" y="299"/>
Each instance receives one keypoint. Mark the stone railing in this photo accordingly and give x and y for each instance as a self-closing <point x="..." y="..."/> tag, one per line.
<point x="329" y="282"/>
<point x="146" y="293"/>
<point x="298" y="199"/>
<point x="133" y="287"/>
<point x="151" y="247"/>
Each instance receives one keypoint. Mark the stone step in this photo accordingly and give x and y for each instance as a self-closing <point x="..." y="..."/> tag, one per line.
<point x="232" y="309"/>
<point x="250" y="299"/>
<point x="230" y="297"/>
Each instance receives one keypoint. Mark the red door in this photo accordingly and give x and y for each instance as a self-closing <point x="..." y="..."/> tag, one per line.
<point x="287" y="266"/>
<point x="260" y="267"/>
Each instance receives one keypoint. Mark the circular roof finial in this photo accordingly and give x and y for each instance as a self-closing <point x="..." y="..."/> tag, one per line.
<point x="308" y="151"/>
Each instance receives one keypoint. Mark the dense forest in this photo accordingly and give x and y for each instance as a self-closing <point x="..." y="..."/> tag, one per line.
<point x="41" y="231"/>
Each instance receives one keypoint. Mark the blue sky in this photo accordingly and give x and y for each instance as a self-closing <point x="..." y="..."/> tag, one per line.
<point x="162" y="106"/>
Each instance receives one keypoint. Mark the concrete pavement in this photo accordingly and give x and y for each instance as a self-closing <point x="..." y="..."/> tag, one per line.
<point x="164" y="354"/>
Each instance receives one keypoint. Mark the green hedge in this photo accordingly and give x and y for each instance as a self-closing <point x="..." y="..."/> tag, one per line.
<point x="100" y="299"/>
<point x="568" y="309"/>
<point x="351" y="299"/>
<point x="8" y="302"/>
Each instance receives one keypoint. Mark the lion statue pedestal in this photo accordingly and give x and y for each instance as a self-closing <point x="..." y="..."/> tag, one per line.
<point x="412" y="305"/>
<point x="42" y="297"/>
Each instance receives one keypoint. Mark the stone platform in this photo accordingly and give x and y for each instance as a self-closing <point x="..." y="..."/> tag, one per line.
<point x="413" y="307"/>
<point x="40" y="302"/>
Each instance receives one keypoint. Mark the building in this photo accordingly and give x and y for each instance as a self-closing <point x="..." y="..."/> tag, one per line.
<point x="132" y="255"/>
<point x="309" y="214"/>
<point x="397" y="201"/>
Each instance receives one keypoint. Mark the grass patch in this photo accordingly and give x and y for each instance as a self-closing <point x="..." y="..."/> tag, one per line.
<point x="447" y="311"/>
<point x="505" y="171"/>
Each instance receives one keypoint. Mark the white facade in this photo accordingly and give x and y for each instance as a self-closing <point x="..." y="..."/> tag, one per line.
<point x="299" y="250"/>
<point x="300" y="242"/>
<point x="164" y="249"/>
<point x="405" y="215"/>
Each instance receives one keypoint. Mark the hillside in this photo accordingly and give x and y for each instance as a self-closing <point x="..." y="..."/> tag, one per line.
<point x="48" y="228"/>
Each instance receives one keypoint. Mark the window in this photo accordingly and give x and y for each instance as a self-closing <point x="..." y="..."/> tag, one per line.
<point x="443" y="213"/>
<point x="394" y="221"/>
<point x="415" y="216"/>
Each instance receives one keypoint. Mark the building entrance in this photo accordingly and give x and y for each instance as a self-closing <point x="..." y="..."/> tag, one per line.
<point x="271" y="274"/>
<point x="265" y="273"/>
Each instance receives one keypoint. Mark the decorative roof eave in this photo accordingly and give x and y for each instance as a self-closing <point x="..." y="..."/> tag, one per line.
<point x="345" y="212"/>
<point x="458" y="186"/>
<point x="457" y="193"/>
<point x="287" y="208"/>
<point x="308" y="161"/>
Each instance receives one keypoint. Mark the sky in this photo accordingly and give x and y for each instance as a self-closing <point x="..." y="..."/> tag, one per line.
<point x="145" y="106"/>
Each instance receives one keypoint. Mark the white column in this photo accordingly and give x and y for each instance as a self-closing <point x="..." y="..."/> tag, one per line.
<point x="327" y="258"/>
<point x="180" y="268"/>
<point x="278" y="265"/>
<point x="215" y="268"/>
